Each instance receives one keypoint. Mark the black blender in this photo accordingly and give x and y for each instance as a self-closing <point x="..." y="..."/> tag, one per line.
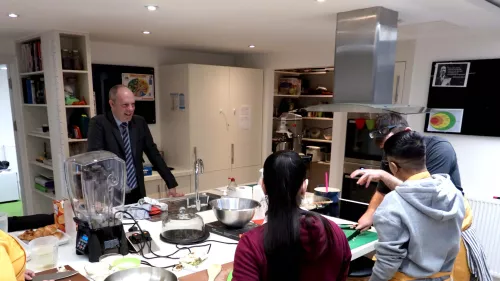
<point x="96" y="184"/>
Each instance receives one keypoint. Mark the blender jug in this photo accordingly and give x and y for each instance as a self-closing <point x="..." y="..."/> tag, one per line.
<point x="96" y="184"/>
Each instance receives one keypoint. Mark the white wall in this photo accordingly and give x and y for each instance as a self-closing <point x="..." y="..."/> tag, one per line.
<point x="111" y="53"/>
<point x="7" y="140"/>
<point x="477" y="156"/>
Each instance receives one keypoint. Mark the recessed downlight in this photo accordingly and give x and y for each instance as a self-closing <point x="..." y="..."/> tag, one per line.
<point x="321" y="1"/>
<point x="146" y="32"/>
<point x="251" y="46"/>
<point x="152" y="8"/>
<point x="12" y="15"/>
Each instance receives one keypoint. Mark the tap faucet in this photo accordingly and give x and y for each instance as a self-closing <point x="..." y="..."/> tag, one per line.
<point x="198" y="169"/>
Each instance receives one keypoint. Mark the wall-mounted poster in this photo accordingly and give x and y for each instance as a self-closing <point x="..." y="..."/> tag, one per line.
<point x="445" y="120"/>
<point x="451" y="74"/>
<point x="142" y="85"/>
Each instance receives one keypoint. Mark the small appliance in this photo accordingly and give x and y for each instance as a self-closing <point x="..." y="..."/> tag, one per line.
<point x="288" y="133"/>
<point x="95" y="182"/>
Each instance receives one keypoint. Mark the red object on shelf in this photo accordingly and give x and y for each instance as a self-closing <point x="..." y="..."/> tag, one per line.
<point x="360" y="123"/>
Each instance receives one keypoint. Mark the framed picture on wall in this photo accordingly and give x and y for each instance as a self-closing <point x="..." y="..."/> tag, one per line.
<point x="142" y="85"/>
<point x="451" y="74"/>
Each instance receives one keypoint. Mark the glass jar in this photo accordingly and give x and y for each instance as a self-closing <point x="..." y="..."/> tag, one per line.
<point x="183" y="228"/>
<point x="77" y="62"/>
<point x="66" y="59"/>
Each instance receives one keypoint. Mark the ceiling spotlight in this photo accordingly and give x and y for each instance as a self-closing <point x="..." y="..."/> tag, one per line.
<point x="251" y="46"/>
<point x="146" y="32"/>
<point x="12" y="15"/>
<point x="152" y="8"/>
<point x="321" y="1"/>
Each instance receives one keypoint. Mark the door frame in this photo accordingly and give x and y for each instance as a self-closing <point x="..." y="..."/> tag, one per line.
<point x="16" y="104"/>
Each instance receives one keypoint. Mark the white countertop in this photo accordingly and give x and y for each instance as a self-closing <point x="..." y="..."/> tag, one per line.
<point x="219" y="253"/>
<point x="177" y="173"/>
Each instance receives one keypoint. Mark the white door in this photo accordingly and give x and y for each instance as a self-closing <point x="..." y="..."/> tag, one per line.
<point x="246" y="97"/>
<point x="208" y="118"/>
<point x="398" y="85"/>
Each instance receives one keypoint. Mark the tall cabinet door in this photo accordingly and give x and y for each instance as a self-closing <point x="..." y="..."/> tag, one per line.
<point x="246" y="97"/>
<point x="208" y="117"/>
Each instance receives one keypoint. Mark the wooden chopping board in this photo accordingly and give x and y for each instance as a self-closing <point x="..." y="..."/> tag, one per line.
<point x="77" y="277"/>
<point x="203" y="275"/>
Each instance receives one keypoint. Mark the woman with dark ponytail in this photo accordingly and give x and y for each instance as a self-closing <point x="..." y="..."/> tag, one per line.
<point x="294" y="245"/>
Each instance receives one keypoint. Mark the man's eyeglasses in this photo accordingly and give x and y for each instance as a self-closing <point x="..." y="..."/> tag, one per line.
<point x="382" y="132"/>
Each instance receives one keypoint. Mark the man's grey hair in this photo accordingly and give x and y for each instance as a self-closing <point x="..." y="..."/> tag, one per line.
<point x="114" y="90"/>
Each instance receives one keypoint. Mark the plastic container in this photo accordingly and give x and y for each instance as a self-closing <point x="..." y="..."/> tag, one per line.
<point x="44" y="251"/>
<point x="4" y="223"/>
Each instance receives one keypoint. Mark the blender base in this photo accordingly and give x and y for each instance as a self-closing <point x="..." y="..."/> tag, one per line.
<point x="97" y="242"/>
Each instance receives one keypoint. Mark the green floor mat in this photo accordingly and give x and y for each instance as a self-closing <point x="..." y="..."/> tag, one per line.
<point x="360" y="240"/>
<point x="12" y="208"/>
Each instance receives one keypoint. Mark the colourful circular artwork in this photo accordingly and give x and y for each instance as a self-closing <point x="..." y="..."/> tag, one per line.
<point x="442" y="120"/>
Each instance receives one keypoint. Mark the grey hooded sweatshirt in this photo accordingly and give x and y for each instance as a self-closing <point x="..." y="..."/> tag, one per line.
<point x="419" y="228"/>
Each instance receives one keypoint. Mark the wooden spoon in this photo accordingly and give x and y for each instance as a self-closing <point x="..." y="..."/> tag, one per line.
<point x="213" y="270"/>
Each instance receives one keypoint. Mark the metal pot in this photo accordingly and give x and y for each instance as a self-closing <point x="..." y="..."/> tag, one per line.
<point x="234" y="212"/>
<point x="283" y="146"/>
<point x="142" y="273"/>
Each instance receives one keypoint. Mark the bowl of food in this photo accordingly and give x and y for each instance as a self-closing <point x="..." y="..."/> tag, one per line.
<point x="143" y="273"/>
<point x="234" y="212"/>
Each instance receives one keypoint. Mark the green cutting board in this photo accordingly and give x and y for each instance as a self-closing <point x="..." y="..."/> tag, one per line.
<point x="360" y="240"/>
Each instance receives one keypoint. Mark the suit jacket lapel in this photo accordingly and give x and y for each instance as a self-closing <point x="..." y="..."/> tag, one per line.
<point x="116" y="131"/>
<point x="132" y="130"/>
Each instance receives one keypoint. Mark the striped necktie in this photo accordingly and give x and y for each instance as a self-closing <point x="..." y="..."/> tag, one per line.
<point x="129" y="160"/>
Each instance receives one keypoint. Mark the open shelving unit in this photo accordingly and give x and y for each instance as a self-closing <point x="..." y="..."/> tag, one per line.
<point x="47" y="106"/>
<point x="308" y="95"/>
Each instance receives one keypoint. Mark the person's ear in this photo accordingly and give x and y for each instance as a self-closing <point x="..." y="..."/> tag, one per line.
<point x="111" y="103"/>
<point x="393" y="167"/>
<point x="303" y="189"/>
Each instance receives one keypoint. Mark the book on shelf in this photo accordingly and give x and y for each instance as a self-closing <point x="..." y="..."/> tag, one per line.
<point x="31" y="57"/>
<point x="34" y="90"/>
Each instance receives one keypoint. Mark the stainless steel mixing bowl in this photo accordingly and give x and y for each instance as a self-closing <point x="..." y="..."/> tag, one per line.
<point x="142" y="273"/>
<point x="234" y="212"/>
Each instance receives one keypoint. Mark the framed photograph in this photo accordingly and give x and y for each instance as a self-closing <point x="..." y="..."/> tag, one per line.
<point x="142" y="85"/>
<point x="451" y="74"/>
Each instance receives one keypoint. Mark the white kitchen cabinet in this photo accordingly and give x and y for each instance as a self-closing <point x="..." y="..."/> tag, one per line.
<point x="155" y="189"/>
<point x="221" y="116"/>
<point x="398" y="84"/>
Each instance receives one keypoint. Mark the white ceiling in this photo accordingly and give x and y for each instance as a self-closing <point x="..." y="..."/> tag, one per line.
<point x="232" y="25"/>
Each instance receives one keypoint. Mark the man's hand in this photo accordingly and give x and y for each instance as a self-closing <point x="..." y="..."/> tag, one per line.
<point x="369" y="175"/>
<point x="172" y="192"/>
<point x="366" y="221"/>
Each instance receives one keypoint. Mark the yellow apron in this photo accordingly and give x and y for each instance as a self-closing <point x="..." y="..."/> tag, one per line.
<point x="399" y="276"/>
<point x="460" y="269"/>
<point x="12" y="259"/>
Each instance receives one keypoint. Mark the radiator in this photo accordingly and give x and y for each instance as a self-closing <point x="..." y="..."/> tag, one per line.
<point x="486" y="222"/>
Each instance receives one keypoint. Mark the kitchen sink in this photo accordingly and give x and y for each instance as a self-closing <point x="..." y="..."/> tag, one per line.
<point x="188" y="202"/>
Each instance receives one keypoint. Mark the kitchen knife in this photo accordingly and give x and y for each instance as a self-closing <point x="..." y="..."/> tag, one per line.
<point x="54" y="276"/>
<point x="354" y="234"/>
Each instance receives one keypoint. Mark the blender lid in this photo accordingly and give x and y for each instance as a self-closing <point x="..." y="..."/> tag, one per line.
<point x="183" y="228"/>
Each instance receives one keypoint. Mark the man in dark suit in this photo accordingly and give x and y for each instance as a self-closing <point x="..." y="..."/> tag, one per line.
<point x="128" y="136"/>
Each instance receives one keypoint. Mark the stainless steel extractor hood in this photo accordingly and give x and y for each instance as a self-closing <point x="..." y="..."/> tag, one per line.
<point x="365" y="53"/>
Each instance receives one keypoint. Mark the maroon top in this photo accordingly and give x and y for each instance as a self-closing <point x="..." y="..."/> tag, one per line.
<point x="320" y="261"/>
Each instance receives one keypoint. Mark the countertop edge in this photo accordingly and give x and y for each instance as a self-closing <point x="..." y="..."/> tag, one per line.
<point x="176" y="173"/>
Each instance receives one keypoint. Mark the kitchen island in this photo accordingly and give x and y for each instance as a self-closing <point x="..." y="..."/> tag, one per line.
<point x="219" y="253"/>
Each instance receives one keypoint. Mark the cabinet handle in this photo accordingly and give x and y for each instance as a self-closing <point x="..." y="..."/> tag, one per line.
<point x="159" y="191"/>
<point x="232" y="153"/>
<point x="397" y="89"/>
